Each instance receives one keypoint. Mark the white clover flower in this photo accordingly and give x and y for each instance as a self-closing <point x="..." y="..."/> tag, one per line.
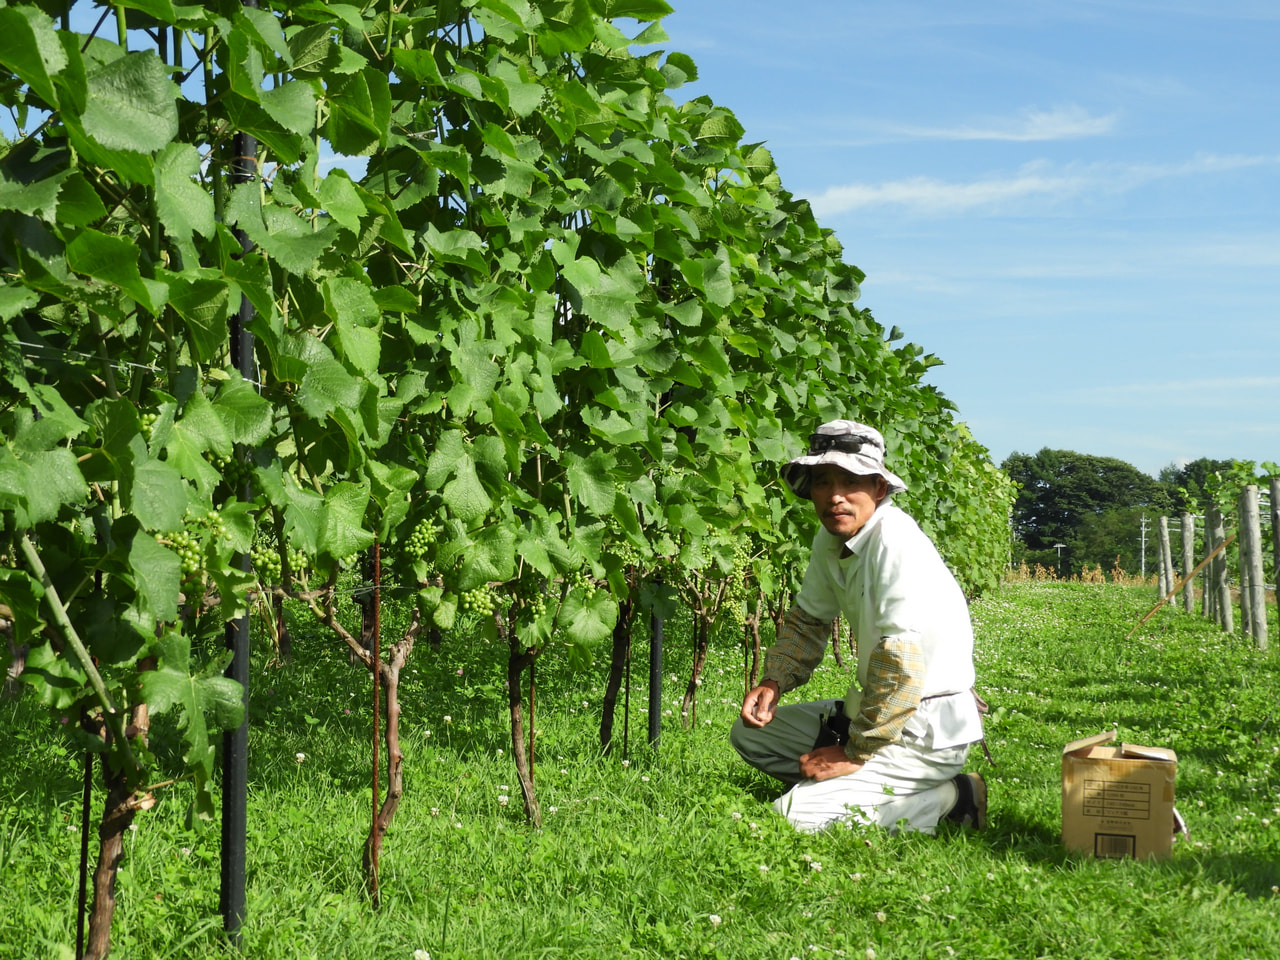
<point x="925" y="897"/>
<point x="564" y="772"/>
<point x="736" y="815"/>
<point x="503" y="799"/>
<point x="806" y="858"/>
<point x="503" y="787"/>
<point x="552" y="809"/>
<point x="871" y="953"/>
<point x="435" y="811"/>
<point x="499" y="751"/>
<point x="764" y="868"/>
<point x="1266" y="822"/>
<point x="816" y="866"/>
<point x="421" y="955"/>
<point x="185" y="851"/>
<point x="881" y="916"/>
<point x="754" y="826"/>
<point x="300" y="757"/>
<point x="458" y="824"/>
<point x="448" y="719"/>
<point x="990" y="876"/>
<point x="644" y="779"/>
<point x="715" y="919"/>
<point x="626" y="763"/>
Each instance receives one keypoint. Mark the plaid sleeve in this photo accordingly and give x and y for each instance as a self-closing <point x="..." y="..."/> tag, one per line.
<point x="801" y="644"/>
<point x="889" y="697"/>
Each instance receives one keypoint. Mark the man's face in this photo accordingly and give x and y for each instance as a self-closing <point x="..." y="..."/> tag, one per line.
<point x="845" y="501"/>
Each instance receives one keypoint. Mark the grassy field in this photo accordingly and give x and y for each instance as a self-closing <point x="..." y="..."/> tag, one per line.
<point x="676" y="853"/>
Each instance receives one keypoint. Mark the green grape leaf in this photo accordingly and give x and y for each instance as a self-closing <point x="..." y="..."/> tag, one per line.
<point x="465" y="495"/>
<point x="243" y="411"/>
<point x="31" y="49"/>
<point x="132" y="104"/>
<point x="156" y="577"/>
<point x="205" y="703"/>
<point x="343" y="532"/>
<point x="591" y="481"/>
<point x="184" y="205"/>
<point x="588" y="620"/>
<point x="155" y="493"/>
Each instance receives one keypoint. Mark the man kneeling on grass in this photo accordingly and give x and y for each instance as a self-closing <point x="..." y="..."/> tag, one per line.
<point x="894" y="748"/>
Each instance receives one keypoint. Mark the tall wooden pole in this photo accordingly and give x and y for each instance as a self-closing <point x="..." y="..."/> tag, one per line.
<point x="1188" y="560"/>
<point x="1221" y="588"/>
<point x="1251" y="562"/>
<point x="1167" y="575"/>
<point x="1209" y="596"/>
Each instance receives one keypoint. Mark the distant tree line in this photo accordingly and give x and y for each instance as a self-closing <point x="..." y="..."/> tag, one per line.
<point x="1093" y="507"/>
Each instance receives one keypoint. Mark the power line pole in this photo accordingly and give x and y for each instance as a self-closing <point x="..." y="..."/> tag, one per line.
<point x="1143" y="548"/>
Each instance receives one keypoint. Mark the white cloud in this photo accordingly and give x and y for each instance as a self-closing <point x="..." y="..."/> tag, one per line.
<point x="1214" y="392"/>
<point x="1037" y="181"/>
<point x="1064" y="123"/>
<point x="938" y="197"/>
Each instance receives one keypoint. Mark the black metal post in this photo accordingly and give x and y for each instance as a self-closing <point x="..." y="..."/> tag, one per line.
<point x="235" y="743"/>
<point x="655" y="674"/>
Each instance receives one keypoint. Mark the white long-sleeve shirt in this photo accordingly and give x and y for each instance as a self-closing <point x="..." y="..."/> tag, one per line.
<point x="895" y="586"/>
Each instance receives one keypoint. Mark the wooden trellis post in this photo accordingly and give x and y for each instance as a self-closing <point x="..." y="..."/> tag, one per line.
<point x="1221" y="588"/>
<point x="1208" y="596"/>
<point x="1188" y="561"/>
<point x="1167" y="576"/>
<point x="1252" y="585"/>
<point x="1275" y="530"/>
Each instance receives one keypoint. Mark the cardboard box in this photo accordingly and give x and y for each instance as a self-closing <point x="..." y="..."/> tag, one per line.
<point x="1117" y="798"/>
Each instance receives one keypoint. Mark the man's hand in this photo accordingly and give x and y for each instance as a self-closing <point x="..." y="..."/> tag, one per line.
<point x="759" y="706"/>
<point x="827" y="762"/>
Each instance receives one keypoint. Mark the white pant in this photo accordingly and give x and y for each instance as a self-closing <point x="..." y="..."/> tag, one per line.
<point x="901" y="782"/>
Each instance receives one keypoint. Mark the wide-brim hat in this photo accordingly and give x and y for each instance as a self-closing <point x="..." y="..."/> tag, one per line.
<point x="846" y="444"/>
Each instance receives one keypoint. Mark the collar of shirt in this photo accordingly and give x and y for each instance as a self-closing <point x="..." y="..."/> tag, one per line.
<point x="855" y="543"/>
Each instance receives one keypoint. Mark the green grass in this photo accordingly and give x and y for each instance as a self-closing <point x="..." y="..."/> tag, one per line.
<point x="636" y="859"/>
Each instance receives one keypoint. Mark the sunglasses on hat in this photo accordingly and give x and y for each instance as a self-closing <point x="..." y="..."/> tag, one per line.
<point x="820" y="443"/>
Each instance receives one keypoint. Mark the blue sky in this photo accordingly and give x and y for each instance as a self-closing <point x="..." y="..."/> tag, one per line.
<point x="1073" y="204"/>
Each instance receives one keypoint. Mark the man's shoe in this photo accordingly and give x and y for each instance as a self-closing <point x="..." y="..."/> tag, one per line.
<point x="971" y="801"/>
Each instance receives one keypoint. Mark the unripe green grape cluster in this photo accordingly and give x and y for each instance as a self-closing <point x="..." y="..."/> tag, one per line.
<point x="235" y="472"/>
<point x="266" y="562"/>
<point x="421" y="540"/>
<point x="579" y="580"/>
<point x="626" y="553"/>
<point x="187" y="545"/>
<point x="146" y="422"/>
<point x="213" y="520"/>
<point x="736" y="594"/>
<point x="533" y="598"/>
<point x="479" y="602"/>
